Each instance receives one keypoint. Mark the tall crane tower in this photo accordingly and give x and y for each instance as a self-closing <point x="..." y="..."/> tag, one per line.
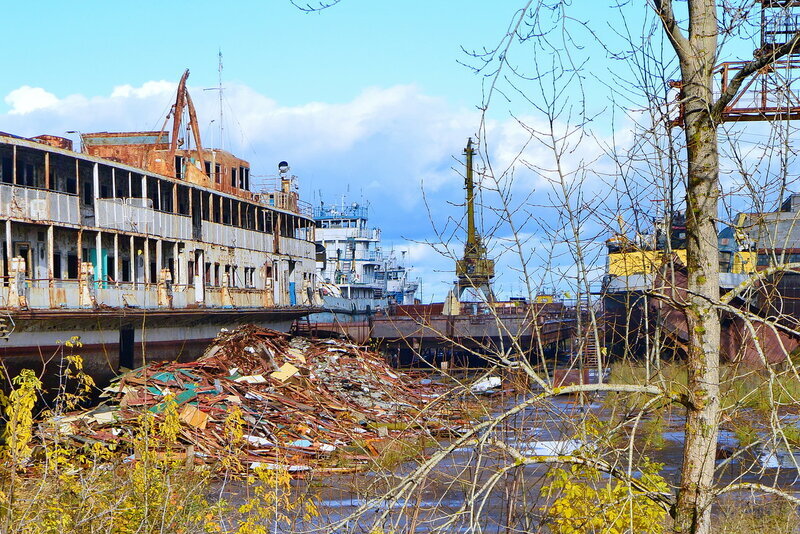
<point x="474" y="270"/>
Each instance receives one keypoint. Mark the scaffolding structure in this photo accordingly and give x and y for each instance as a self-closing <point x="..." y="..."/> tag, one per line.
<point x="771" y="93"/>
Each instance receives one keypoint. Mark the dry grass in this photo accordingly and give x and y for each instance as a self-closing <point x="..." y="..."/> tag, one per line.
<point x="764" y="516"/>
<point x="740" y="387"/>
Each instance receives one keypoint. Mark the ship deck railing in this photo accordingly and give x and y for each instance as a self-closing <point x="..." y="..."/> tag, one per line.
<point x="39" y="204"/>
<point x="48" y="293"/>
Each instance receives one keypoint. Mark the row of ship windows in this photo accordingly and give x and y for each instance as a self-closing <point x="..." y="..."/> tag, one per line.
<point x="239" y="176"/>
<point x="338" y="224"/>
<point x="66" y="173"/>
<point x="212" y="274"/>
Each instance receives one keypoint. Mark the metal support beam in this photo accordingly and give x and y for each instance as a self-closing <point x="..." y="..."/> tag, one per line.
<point x="50" y="254"/>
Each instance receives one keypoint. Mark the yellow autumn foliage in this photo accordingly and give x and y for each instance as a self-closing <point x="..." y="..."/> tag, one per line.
<point x="585" y="502"/>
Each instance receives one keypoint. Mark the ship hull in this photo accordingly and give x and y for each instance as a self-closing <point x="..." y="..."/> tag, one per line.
<point x="111" y="340"/>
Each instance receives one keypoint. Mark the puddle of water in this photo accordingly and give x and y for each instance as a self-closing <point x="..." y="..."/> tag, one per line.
<point x="547" y="429"/>
<point x="774" y="459"/>
<point x="550" y="448"/>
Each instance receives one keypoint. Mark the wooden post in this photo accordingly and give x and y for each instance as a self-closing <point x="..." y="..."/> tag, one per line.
<point x="47" y="170"/>
<point x="117" y="261"/>
<point x="9" y="247"/>
<point x="96" y="183"/>
<point x="177" y="275"/>
<point x="50" y="254"/>
<point x="159" y="256"/>
<point x="100" y="271"/>
<point x="146" y="261"/>
<point x="132" y="262"/>
<point x="80" y="248"/>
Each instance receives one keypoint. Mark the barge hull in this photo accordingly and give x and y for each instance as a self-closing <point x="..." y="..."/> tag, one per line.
<point x="116" y="339"/>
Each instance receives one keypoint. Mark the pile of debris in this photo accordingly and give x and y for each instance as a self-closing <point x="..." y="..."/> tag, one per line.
<point x="301" y="400"/>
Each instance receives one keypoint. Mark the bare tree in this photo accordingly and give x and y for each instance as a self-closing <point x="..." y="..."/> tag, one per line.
<point x="697" y="52"/>
<point x="581" y="194"/>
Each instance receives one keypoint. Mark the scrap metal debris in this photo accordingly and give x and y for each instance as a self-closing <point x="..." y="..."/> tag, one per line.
<point x="301" y="400"/>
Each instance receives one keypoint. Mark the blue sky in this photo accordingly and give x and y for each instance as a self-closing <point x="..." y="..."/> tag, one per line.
<point x="89" y="47"/>
<point x="367" y="97"/>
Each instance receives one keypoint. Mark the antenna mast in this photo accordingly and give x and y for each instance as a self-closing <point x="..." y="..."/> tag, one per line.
<point x="221" y="127"/>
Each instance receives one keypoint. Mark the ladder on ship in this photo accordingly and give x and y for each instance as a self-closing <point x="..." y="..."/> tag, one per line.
<point x="589" y="351"/>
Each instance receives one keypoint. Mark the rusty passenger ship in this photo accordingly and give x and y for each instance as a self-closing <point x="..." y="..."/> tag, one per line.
<point x="142" y="246"/>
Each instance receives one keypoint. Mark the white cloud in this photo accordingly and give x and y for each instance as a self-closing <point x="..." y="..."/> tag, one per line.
<point x="388" y="144"/>
<point x="147" y="89"/>
<point x="27" y="99"/>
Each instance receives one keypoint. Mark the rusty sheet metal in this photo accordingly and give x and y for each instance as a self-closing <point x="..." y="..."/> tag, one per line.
<point x="54" y="141"/>
<point x="737" y="342"/>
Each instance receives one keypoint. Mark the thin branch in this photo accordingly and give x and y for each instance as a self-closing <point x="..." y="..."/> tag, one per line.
<point x="667" y="15"/>
<point x="753" y="486"/>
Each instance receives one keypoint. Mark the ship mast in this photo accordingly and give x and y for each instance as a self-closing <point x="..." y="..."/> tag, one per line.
<point x="474" y="270"/>
<point x="221" y="128"/>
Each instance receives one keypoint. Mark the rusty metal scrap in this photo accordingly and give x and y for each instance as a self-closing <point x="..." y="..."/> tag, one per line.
<point x="301" y="400"/>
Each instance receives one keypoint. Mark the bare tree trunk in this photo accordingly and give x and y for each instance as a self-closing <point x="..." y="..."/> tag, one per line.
<point x="697" y="56"/>
<point x="702" y="418"/>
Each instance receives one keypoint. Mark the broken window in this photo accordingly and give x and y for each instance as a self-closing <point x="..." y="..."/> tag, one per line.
<point x="57" y="266"/>
<point x="215" y="202"/>
<point x="152" y="193"/>
<point x="126" y="270"/>
<point x="105" y="181"/>
<point x="72" y="266"/>
<point x="88" y="194"/>
<point x="206" y="214"/>
<point x="28" y="178"/>
<point x="179" y="167"/>
<point x="111" y="269"/>
<point x="226" y="210"/>
<point x="7" y="169"/>
<point x="166" y="190"/>
<point x="183" y="200"/>
<point x="136" y="187"/>
<point x="121" y="183"/>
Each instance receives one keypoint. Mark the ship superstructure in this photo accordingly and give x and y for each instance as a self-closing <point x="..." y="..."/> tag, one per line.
<point x="397" y="287"/>
<point x="142" y="244"/>
<point x="348" y="259"/>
